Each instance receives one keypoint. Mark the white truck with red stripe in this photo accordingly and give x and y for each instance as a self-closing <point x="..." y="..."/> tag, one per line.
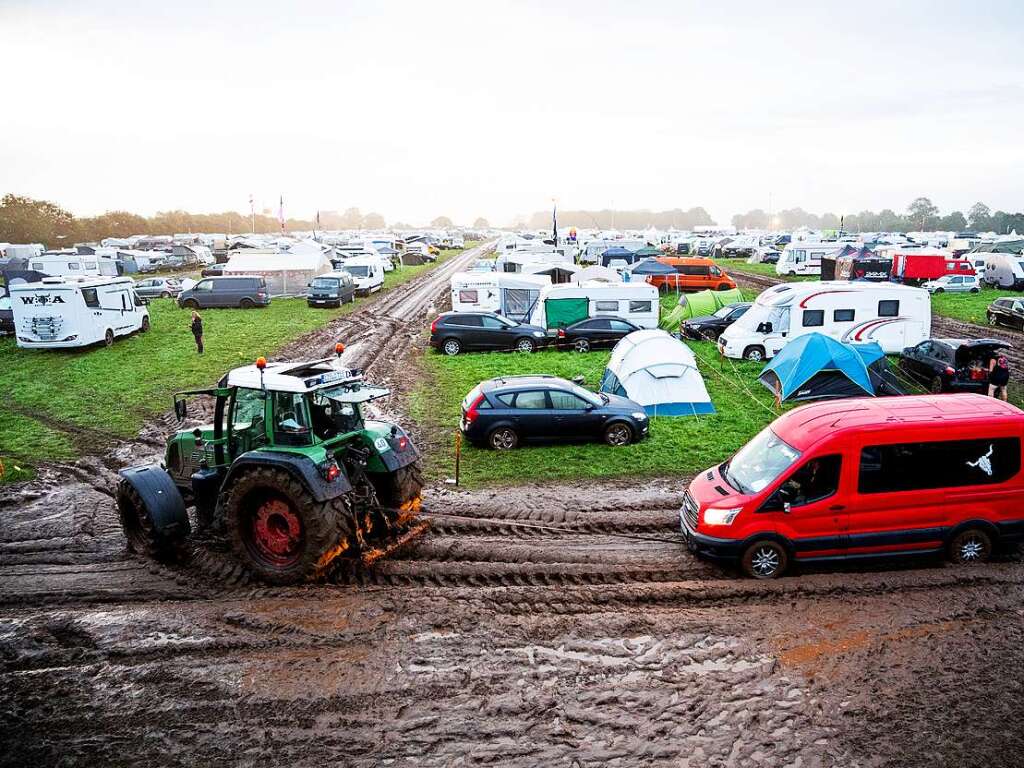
<point x="895" y="316"/>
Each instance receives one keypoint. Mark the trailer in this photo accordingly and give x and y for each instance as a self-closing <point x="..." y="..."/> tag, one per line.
<point x="62" y="312"/>
<point x="562" y="305"/>
<point x="1004" y="270"/>
<point x="894" y="316"/>
<point x="916" y="267"/>
<point x="804" y="258"/>
<point x="506" y="293"/>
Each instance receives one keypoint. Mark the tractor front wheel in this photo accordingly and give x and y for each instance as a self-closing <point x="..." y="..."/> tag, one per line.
<point x="280" y="531"/>
<point x="137" y="523"/>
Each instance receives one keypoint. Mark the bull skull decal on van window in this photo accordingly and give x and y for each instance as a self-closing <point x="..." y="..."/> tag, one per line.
<point x="984" y="463"/>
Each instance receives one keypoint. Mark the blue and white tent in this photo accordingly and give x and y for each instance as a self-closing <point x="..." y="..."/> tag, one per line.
<point x="659" y="372"/>
<point x="815" y="367"/>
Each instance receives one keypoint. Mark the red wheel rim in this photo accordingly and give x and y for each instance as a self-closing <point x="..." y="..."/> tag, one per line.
<point x="277" y="532"/>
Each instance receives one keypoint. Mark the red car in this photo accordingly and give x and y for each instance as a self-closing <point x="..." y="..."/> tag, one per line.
<point x="865" y="478"/>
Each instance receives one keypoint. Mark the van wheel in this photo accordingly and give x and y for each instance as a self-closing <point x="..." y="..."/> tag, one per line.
<point x="581" y="345"/>
<point x="503" y="439"/>
<point x="145" y="324"/>
<point x="970" y="547"/>
<point x="451" y="347"/>
<point x="765" y="560"/>
<point x="723" y="287"/>
<point x="754" y="354"/>
<point x="792" y="273"/>
<point x="525" y="345"/>
<point x="940" y="290"/>
<point x="975" y="290"/>
<point x="165" y="295"/>
<point x="190" y="304"/>
<point x="246" y="304"/>
<point x="618" y="435"/>
<point x="936" y="386"/>
<point x="108" y="337"/>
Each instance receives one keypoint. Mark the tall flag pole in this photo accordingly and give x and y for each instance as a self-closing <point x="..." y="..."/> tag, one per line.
<point x="554" y="220"/>
<point x="280" y="213"/>
<point x="252" y="213"/>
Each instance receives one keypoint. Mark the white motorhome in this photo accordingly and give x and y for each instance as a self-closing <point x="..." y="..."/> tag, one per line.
<point x="60" y="312"/>
<point x="564" y="304"/>
<point x="515" y="261"/>
<point x="509" y="294"/>
<point x="592" y="253"/>
<point x="366" y="271"/>
<point x="804" y="258"/>
<point x="1004" y="270"/>
<point x="68" y="263"/>
<point x="895" y="316"/>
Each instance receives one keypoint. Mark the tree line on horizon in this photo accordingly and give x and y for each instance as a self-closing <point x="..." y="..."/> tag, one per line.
<point x="26" y="220"/>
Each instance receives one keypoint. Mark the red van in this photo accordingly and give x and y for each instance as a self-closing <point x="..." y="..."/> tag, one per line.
<point x="865" y="478"/>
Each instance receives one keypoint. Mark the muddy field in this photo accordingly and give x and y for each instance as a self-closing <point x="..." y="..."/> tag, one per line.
<point x="532" y="626"/>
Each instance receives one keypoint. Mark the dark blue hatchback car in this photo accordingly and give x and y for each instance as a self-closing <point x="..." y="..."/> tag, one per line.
<point x="503" y="413"/>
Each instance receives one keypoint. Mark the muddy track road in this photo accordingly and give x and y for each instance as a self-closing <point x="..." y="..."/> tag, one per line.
<point x="541" y="625"/>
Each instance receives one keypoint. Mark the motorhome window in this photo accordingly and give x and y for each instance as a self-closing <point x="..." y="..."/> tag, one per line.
<point x="91" y="299"/>
<point x="888" y="308"/>
<point x="532" y="401"/>
<point x="814" y="318"/>
<point x="639" y="306"/>
<point x="843" y="316"/>
<point x="468" y="297"/>
<point x="37" y="266"/>
<point x="73" y="265"/>
<point x="90" y="265"/>
<point x="939" y="464"/>
<point x="814" y="481"/>
<point x="607" y="306"/>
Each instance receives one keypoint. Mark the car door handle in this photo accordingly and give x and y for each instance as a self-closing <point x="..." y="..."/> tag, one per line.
<point x="837" y="507"/>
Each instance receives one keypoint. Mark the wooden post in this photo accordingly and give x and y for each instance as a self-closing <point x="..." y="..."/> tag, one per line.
<point x="458" y="455"/>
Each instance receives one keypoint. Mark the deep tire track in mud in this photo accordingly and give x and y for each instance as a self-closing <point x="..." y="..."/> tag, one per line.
<point x="548" y="625"/>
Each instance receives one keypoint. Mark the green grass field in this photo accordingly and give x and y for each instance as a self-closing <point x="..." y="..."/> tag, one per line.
<point x="767" y="270"/>
<point x="58" y="401"/>
<point x="677" y="446"/>
<point x="966" y="306"/>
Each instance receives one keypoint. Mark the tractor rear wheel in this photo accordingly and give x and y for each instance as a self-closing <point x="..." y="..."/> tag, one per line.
<point x="401" y="487"/>
<point x="138" y="527"/>
<point x="277" y="528"/>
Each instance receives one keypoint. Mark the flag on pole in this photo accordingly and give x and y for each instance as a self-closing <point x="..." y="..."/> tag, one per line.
<point x="280" y="212"/>
<point x="554" y="220"/>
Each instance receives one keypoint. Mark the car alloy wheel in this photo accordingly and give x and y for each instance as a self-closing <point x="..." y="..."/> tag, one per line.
<point x="452" y="347"/>
<point x="940" y="290"/>
<point x="754" y="354"/>
<point x="618" y="435"/>
<point x="936" y="386"/>
<point x="764" y="560"/>
<point x="970" y="547"/>
<point x="504" y="439"/>
<point x="581" y="345"/>
<point x="524" y="345"/>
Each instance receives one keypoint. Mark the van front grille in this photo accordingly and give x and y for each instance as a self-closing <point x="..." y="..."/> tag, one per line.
<point x="690" y="510"/>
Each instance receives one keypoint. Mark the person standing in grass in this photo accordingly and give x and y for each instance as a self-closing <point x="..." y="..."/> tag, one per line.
<point x="197" y="331"/>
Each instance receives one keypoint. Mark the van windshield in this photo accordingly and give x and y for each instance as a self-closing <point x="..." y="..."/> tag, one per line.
<point x="759" y="462"/>
<point x="325" y="283"/>
<point x="357" y="271"/>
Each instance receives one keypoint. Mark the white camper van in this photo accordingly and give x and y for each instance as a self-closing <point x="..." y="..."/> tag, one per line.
<point x="895" y="316"/>
<point x="65" y="263"/>
<point x="1004" y="270"/>
<point x="61" y="312"/>
<point x="506" y="293"/>
<point x="803" y="258"/>
<point x="564" y="304"/>
<point x="367" y="272"/>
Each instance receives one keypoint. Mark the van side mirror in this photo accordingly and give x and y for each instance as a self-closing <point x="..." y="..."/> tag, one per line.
<point x="765" y="327"/>
<point x="180" y="409"/>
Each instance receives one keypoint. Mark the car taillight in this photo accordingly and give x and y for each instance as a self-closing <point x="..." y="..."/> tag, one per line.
<point x="433" y="325"/>
<point x="949" y="371"/>
<point x="403" y="443"/>
<point x="472" y="413"/>
<point x="561" y="333"/>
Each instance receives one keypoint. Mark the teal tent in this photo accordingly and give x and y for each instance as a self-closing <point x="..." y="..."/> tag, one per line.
<point x="815" y="367"/>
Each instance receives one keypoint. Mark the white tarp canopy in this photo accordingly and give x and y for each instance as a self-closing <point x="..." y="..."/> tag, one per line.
<point x="659" y="372"/>
<point x="287" y="272"/>
<point x="596" y="274"/>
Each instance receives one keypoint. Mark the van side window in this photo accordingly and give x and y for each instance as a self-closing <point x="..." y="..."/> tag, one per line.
<point x="939" y="464"/>
<point x="91" y="299"/>
<point x="639" y="306"/>
<point x="816" y="480"/>
<point x="814" y="318"/>
<point x="843" y="316"/>
<point x="468" y="297"/>
<point x="889" y="308"/>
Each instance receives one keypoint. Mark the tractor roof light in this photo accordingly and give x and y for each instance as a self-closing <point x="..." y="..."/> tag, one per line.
<point x="261" y="363"/>
<point x="339" y="348"/>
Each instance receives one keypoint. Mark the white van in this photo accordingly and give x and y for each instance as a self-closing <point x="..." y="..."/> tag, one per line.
<point x="366" y="271"/>
<point x="60" y="312"/>
<point x="70" y="263"/>
<point x="895" y="316"/>
<point x="1004" y="270"/>
<point x="566" y="303"/>
<point x="803" y="258"/>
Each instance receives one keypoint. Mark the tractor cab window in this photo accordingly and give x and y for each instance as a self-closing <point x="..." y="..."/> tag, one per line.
<point x="248" y="420"/>
<point x="291" y="425"/>
<point x="333" y="417"/>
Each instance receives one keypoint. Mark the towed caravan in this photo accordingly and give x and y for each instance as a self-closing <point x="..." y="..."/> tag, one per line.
<point x="896" y="316"/>
<point x="562" y="305"/>
<point x="510" y="294"/>
<point x="60" y="312"/>
<point x="1005" y="270"/>
<point x="803" y="258"/>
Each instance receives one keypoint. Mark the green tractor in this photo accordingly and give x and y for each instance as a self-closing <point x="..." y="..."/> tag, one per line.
<point x="292" y="470"/>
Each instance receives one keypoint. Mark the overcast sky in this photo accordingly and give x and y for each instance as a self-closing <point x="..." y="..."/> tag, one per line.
<point x="417" y="109"/>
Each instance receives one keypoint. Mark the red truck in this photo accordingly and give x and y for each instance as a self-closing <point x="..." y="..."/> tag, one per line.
<point x="915" y="267"/>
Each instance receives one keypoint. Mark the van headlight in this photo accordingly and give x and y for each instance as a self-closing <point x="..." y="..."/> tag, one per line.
<point x="720" y="516"/>
<point x="639" y="415"/>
